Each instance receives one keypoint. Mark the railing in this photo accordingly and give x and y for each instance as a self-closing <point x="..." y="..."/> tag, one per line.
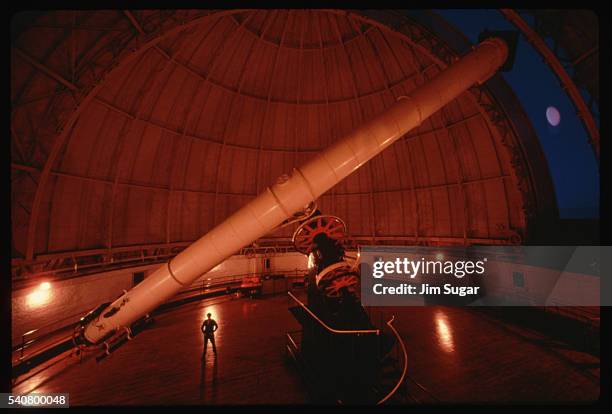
<point x="24" y="343"/>
<point x="289" y="275"/>
<point x="327" y="327"/>
<point x="389" y="323"/>
<point x="292" y="347"/>
<point x="291" y="340"/>
<point x="66" y="265"/>
<point x="321" y="347"/>
<point x="402" y="377"/>
<point x="404" y="380"/>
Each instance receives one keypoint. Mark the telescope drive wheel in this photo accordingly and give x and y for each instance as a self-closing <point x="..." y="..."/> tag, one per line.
<point x="303" y="237"/>
<point x="338" y="277"/>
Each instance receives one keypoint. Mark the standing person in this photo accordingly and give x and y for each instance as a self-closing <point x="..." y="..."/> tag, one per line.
<point x="209" y="326"/>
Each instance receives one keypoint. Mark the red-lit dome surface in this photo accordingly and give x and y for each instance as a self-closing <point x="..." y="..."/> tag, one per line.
<point x="144" y="130"/>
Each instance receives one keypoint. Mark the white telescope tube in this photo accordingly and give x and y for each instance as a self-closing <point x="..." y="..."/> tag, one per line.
<point x="306" y="183"/>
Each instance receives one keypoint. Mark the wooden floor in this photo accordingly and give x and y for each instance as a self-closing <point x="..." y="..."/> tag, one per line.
<point x="457" y="354"/>
<point x="163" y="366"/>
<point x="461" y="355"/>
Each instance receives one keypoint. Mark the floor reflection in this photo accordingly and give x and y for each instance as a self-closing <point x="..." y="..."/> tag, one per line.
<point x="444" y="332"/>
<point x="208" y="378"/>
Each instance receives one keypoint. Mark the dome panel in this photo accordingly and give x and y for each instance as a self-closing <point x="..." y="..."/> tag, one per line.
<point x="78" y="151"/>
<point x="101" y="160"/>
<point x="368" y="77"/>
<point x="285" y="88"/>
<point x="130" y="223"/>
<point x="218" y="33"/>
<point x="421" y="170"/>
<point x="426" y="221"/>
<point x="201" y="166"/>
<point x="64" y="236"/>
<point x="485" y="151"/>
<point x="164" y="160"/>
<point x="130" y="147"/>
<point x="94" y="218"/>
<point x="430" y="151"/>
<point x="145" y="161"/>
<point x="188" y="215"/>
<point x="185" y="108"/>
<point x="316" y="84"/>
<point x="169" y="93"/>
<point x="458" y="213"/>
<point x="497" y="207"/>
<point x="442" y="218"/>
<point x="477" y="210"/>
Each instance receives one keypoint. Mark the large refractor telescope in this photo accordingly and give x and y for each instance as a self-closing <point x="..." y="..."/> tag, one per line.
<point x="292" y="193"/>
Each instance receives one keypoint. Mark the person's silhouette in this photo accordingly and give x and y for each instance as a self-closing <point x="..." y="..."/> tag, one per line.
<point x="209" y="326"/>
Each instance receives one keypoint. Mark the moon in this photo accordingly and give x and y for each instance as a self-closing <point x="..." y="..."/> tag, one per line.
<point x="553" y="116"/>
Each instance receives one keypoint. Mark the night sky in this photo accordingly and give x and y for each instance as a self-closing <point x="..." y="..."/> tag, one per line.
<point x="570" y="157"/>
